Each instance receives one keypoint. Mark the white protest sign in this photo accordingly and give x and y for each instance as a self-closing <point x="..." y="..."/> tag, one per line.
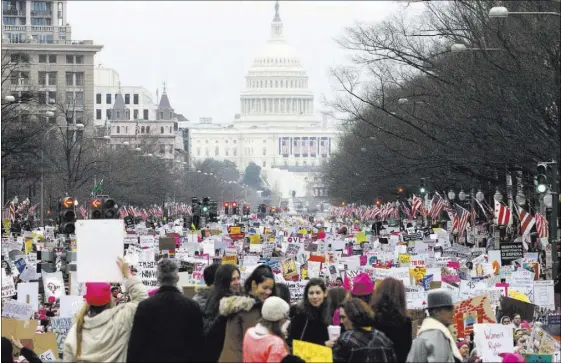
<point x="17" y="310"/>
<point x="314" y="268"/>
<point x="544" y="294"/>
<point x="470" y="288"/>
<point x="296" y="289"/>
<point x="76" y="288"/>
<point x="147" y="273"/>
<point x="493" y="339"/>
<point x="48" y="356"/>
<point x="8" y="286"/>
<point x="53" y="284"/>
<point x="455" y="291"/>
<point x="147" y="241"/>
<point x="99" y="243"/>
<point x="70" y="305"/>
<point x="32" y="257"/>
<point x="131" y="239"/>
<point x="28" y="293"/>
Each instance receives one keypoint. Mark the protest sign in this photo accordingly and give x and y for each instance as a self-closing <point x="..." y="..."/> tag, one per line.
<point x="544" y="294"/>
<point x="45" y="342"/>
<point x="28" y="293"/>
<point x="99" y="245"/>
<point x="493" y="339"/>
<point x="70" y="305"/>
<point x="147" y="272"/>
<point x="47" y="356"/>
<point x="467" y="313"/>
<point x="61" y="326"/>
<point x="8" y="286"/>
<point x="14" y="309"/>
<point x="53" y="284"/>
<point x="511" y="251"/>
<point x="312" y="353"/>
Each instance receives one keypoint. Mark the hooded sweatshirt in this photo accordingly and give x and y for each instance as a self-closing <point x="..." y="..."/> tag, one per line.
<point x="259" y="345"/>
<point x="105" y="336"/>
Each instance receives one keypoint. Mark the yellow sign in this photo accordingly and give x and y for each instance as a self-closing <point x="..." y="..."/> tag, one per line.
<point x="312" y="353"/>
<point x="361" y="237"/>
<point x="518" y="296"/>
<point x="255" y="239"/>
<point x="28" y="245"/>
<point x="7" y="226"/>
<point x="404" y="258"/>
<point x="230" y="260"/>
<point x="416" y="275"/>
<point x="235" y="230"/>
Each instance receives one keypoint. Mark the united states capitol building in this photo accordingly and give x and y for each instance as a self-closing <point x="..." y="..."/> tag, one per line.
<point x="277" y="127"/>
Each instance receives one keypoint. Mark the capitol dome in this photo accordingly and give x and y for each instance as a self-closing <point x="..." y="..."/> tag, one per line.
<point x="276" y="83"/>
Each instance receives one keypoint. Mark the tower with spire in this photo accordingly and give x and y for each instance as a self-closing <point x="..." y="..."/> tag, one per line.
<point x="120" y="112"/>
<point x="164" y="112"/>
<point x="276" y="25"/>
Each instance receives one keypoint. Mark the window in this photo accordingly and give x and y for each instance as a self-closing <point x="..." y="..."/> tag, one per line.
<point x="108" y="114"/>
<point x="127" y="114"/>
<point x="69" y="78"/>
<point x="118" y="115"/>
<point x="52" y="78"/>
<point x="108" y="98"/>
<point x="79" y="78"/>
<point x="98" y="114"/>
<point x="235" y="152"/>
<point x="42" y="78"/>
<point x="264" y="164"/>
<point x="147" y="129"/>
<point x="79" y="116"/>
<point x="52" y="97"/>
<point x="42" y="58"/>
<point x="235" y="141"/>
<point x="161" y="115"/>
<point x="52" y="58"/>
<point x="135" y="99"/>
<point x="40" y="21"/>
<point x="227" y="152"/>
<point x="127" y="99"/>
<point x="135" y="114"/>
<point x="142" y="130"/>
<point x="79" y="98"/>
<point x="264" y="151"/>
<point x="162" y="149"/>
<point x="216" y="151"/>
<point x="79" y="59"/>
<point x="69" y="98"/>
<point x="118" y="129"/>
<point x="206" y="152"/>
<point x="145" y="114"/>
<point x="198" y="151"/>
<point x="98" y="98"/>
<point x="69" y="59"/>
<point x="161" y="130"/>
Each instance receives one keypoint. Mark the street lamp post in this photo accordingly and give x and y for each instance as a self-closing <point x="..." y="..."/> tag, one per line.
<point x="75" y="127"/>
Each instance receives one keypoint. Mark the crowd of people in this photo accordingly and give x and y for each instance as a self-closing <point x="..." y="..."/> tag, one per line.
<point x="255" y="322"/>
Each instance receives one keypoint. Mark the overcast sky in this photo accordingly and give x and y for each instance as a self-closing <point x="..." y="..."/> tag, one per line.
<point x="203" y="50"/>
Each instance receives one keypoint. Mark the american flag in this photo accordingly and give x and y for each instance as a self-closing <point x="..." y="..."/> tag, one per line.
<point x="12" y="212"/>
<point x="542" y="225"/>
<point x="83" y="212"/>
<point x="417" y="205"/>
<point x="462" y="216"/>
<point x="436" y="206"/>
<point x="526" y="221"/>
<point x="31" y="210"/>
<point x="123" y="212"/>
<point x="502" y="214"/>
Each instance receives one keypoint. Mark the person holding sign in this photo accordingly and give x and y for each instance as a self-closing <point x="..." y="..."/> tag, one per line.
<point x="102" y="330"/>
<point x="360" y="342"/>
<point x="265" y="342"/>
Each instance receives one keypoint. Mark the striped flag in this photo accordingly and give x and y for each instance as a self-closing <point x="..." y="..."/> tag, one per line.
<point x="436" y="205"/>
<point x="12" y="212"/>
<point x="462" y="216"/>
<point x="542" y="225"/>
<point x="502" y="214"/>
<point x="526" y="221"/>
<point x="417" y="205"/>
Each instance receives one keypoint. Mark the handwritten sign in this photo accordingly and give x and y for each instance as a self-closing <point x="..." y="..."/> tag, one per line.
<point x="312" y="353"/>
<point x="8" y="287"/>
<point x="48" y="356"/>
<point x="493" y="339"/>
<point x="61" y="326"/>
<point x="229" y="260"/>
<point x="147" y="272"/>
<point x="14" y="309"/>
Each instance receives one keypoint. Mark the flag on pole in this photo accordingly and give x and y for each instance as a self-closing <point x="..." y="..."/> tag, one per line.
<point x="97" y="189"/>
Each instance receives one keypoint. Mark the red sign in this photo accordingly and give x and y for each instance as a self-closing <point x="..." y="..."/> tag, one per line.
<point x="237" y="236"/>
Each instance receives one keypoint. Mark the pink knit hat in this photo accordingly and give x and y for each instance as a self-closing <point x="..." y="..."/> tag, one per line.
<point x="362" y="285"/>
<point x="511" y="358"/>
<point x="98" y="293"/>
<point x="461" y="343"/>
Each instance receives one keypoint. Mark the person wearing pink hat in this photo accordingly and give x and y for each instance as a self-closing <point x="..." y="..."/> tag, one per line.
<point x="102" y="330"/>
<point x="363" y="288"/>
<point x="511" y="358"/>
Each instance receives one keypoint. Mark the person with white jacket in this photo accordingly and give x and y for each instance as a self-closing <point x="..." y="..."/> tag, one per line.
<point x="102" y="330"/>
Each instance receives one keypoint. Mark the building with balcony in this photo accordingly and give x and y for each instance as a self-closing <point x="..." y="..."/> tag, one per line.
<point x="137" y="99"/>
<point x="44" y="61"/>
<point x="277" y="128"/>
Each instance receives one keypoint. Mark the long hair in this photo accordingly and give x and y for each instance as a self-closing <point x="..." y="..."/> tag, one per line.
<point x="335" y="298"/>
<point x="221" y="288"/>
<point x="274" y="327"/>
<point x="389" y="302"/>
<point x="312" y="311"/>
<point x="283" y="292"/>
<point x="89" y="311"/>
<point x="359" y="313"/>
<point x="260" y="274"/>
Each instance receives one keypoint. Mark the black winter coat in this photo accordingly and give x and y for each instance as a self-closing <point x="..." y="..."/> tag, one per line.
<point x="308" y="326"/>
<point x="167" y="327"/>
<point x="398" y="331"/>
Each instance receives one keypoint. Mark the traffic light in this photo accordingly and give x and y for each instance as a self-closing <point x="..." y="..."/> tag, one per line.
<point x="246" y="210"/>
<point x="541" y="179"/>
<point x="205" y="205"/>
<point x="273" y="210"/>
<point x="96" y="209"/>
<point x="378" y="202"/>
<point x="109" y="208"/>
<point x="422" y="186"/>
<point x="67" y="215"/>
<point x="263" y="209"/>
<point x="213" y="211"/>
<point x="234" y="208"/>
<point x="227" y="208"/>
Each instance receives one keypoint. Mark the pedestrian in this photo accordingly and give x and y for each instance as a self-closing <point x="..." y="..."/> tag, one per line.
<point x="8" y="351"/>
<point x="266" y="341"/>
<point x="361" y="342"/>
<point x="516" y="321"/>
<point x="311" y="320"/>
<point x="390" y="317"/>
<point x="463" y="347"/>
<point x="168" y="327"/>
<point x="335" y="298"/>
<point x="203" y="293"/>
<point x="434" y="341"/>
<point x="243" y="312"/>
<point x="363" y="288"/>
<point x="102" y="330"/>
<point x="226" y="283"/>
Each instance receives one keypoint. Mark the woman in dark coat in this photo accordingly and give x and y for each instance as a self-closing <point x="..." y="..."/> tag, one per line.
<point x="390" y="315"/>
<point x="311" y="320"/>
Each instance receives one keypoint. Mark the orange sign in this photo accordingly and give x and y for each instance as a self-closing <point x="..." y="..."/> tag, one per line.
<point x="96" y="203"/>
<point x="68" y="202"/>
